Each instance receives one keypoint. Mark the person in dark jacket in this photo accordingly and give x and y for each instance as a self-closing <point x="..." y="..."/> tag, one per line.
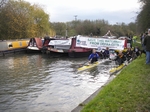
<point x="147" y="45"/>
<point x="106" y="53"/>
<point x="120" y="58"/>
<point x="137" y="51"/>
<point x="129" y="54"/>
<point x="93" y="57"/>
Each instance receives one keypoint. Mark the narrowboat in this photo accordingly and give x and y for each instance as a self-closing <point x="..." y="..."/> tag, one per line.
<point x="35" y="45"/>
<point x="65" y="47"/>
<point x="60" y="46"/>
<point x="45" y="44"/>
<point x="56" y="46"/>
<point x="77" y="52"/>
<point x="12" y="46"/>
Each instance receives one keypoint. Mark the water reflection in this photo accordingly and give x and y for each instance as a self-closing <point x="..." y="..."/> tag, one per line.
<point x="38" y="83"/>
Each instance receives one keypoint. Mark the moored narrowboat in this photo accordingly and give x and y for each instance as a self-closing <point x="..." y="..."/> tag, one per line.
<point x="60" y="44"/>
<point x="56" y="46"/>
<point x="12" y="46"/>
<point x="77" y="52"/>
<point x="35" y="45"/>
<point x="46" y="42"/>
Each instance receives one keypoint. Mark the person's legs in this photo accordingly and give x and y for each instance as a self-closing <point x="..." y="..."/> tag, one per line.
<point x="101" y="55"/>
<point x="119" y="61"/>
<point x="107" y="55"/>
<point x="147" y="57"/>
<point x="128" y="58"/>
<point x="137" y="53"/>
<point x="94" y="60"/>
<point x="134" y="56"/>
<point x="104" y="55"/>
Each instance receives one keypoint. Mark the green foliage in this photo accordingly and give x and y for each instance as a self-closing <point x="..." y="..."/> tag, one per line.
<point x="143" y="16"/>
<point x="23" y="20"/>
<point x="59" y="27"/>
<point x="97" y="28"/>
<point x="20" y="19"/>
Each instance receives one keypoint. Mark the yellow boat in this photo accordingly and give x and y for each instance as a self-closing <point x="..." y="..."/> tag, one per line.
<point x="85" y="67"/>
<point x="13" y="44"/>
<point x="116" y="69"/>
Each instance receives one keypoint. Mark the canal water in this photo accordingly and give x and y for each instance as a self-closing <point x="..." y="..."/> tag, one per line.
<point x="40" y="83"/>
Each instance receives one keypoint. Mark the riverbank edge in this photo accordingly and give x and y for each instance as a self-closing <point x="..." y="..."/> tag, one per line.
<point x="86" y="101"/>
<point x="91" y="97"/>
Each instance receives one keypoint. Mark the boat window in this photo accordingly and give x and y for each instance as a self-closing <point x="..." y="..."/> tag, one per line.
<point x="20" y="43"/>
<point x="10" y="45"/>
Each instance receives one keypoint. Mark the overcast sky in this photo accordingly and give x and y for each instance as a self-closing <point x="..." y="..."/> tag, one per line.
<point x="111" y="10"/>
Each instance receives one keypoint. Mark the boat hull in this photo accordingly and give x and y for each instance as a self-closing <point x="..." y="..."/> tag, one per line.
<point x="79" y="54"/>
<point x="89" y="66"/>
<point x="31" y="49"/>
<point x="13" y="46"/>
<point x="116" y="69"/>
<point x="35" y="45"/>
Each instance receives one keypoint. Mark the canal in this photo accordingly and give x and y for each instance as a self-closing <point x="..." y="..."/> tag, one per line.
<point x="40" y="83"/>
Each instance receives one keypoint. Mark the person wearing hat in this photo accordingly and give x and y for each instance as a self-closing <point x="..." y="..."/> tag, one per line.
<point x="147" y="45"/>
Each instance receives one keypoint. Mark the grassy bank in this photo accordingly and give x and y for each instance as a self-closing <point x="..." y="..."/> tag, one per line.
<point x="128" y="92"/>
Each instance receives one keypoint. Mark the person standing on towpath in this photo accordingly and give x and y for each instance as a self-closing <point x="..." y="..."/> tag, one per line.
<point x="147" y="45"/>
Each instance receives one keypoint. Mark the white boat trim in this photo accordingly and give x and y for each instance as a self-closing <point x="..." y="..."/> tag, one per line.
<point x="33" y="48"/>
<point x="56" y="50"/>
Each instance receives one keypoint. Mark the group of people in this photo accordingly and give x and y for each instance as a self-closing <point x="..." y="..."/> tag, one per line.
<point x="129" y="55"/>
<point x="94" y="56"/>
<point x="120" y="56"/>
<point x="123" y="56"/>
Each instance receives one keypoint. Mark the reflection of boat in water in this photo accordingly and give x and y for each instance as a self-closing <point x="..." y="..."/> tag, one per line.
<point x="116" y="69"/>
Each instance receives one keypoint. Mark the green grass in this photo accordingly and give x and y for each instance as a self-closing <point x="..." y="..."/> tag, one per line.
<point x="137" y="44"/>
<point x="128" y="92"/>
